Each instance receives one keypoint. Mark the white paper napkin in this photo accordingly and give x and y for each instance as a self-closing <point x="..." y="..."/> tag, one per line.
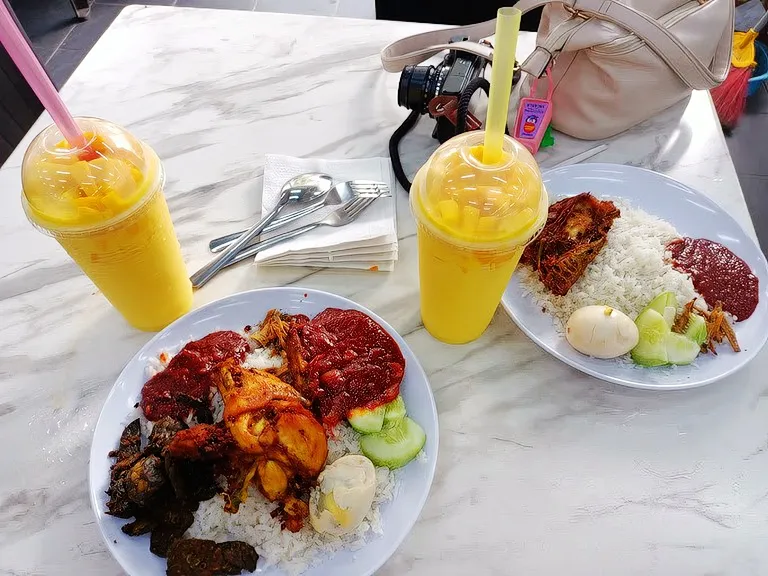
<point x="369" y="242"/>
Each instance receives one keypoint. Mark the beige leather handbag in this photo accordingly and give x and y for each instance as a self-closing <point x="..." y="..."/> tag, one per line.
<point x="614" y="63"/>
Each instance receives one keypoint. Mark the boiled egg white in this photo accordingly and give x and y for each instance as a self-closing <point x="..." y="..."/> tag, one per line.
<point x="601" y="331"/>
<point x="343" y="495"/>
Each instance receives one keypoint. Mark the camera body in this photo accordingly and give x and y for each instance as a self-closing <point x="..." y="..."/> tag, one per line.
<point x="420" y="84"/>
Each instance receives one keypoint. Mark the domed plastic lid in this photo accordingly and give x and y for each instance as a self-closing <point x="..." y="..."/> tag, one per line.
<point x="67" y="188"/>
<point x="483" y="205"/>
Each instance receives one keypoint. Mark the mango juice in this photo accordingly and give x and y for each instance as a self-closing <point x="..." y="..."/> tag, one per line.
<point x="449" y="273"/>
<point x="473" y="222"/>
<point x="104" y="204"/>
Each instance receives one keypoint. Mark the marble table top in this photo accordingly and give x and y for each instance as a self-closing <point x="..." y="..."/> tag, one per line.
<point x="542" y="470"/>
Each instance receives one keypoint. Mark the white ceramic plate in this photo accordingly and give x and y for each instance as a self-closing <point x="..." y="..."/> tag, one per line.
<point x="692" y="214"/>
<point x="234" y="313"/>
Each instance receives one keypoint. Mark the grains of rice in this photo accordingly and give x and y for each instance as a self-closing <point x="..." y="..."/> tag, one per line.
<point x="157" y="364"/>
<point x="217" y="405"/>
<point x="263" y="359"/>
<point x="627" y="273"/>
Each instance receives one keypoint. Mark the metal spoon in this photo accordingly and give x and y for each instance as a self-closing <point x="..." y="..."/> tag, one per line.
<point x="300" y="189"/>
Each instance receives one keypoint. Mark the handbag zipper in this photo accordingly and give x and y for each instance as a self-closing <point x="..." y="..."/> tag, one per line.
<point x="631" y="42"/>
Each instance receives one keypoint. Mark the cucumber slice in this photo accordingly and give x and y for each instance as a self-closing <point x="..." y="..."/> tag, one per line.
<point x="395" y="412"/>
<point x="696" y="329"/>
<point x="394" y="447"/>
<point x="651" y="349"/>
<point x="681" y="350"/>
<point x="367" y="421"/>
<point x="661" y="302"/>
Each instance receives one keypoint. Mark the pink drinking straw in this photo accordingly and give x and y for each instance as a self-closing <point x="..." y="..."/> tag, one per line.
<point x="30" y="67"/>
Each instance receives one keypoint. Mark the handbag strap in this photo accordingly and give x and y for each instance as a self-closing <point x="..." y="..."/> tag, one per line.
<point x="417" y="48"/>
<point x="667" y="46"/>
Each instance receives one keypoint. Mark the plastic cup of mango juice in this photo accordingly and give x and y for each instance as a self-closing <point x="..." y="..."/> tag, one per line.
<point x="473" y="222"/>
<point x="104" y="204"/>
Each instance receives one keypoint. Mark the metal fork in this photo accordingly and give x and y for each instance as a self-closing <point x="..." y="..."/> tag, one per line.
<point x="340" y="194"/>
<point x="339" y="217"/>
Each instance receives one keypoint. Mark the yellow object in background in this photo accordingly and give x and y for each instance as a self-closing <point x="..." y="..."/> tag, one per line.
<point x="743" y="54"/>
<point x="105" y="206"/>
<point x="473" y="222"/>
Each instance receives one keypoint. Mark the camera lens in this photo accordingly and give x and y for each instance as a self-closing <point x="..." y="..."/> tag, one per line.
<point x="415" y="88"/>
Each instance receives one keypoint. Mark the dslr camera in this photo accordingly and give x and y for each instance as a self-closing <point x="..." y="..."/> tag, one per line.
<point x="444" y="93"/>
<point x="419" y="85"/>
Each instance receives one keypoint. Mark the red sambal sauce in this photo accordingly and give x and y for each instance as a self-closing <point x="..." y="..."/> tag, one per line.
<point x="352" y="363"/>
<point x="717" y="274"/>
<point x="187" y="378"/>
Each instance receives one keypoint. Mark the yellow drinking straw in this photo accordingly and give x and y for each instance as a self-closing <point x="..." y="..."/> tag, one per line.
<point x="504" y="46"/>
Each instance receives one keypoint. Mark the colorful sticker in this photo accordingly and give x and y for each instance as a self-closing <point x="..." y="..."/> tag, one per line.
<point x="533" y="114"/>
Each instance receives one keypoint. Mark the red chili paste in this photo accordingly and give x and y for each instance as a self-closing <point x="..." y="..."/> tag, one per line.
<point x="717" y="274"/>
<point x="186" y="381"/>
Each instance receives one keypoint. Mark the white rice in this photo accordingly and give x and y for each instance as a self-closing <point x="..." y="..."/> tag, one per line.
<point x="627" y="273"/>
<point x="295" y="552"/>
<point x="158" y="364"/>
<point x="263" y="359"/>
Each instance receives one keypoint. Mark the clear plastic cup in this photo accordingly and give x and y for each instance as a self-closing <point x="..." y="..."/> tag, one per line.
<point x="104" y="204"/>
<point x="473" y="222"/>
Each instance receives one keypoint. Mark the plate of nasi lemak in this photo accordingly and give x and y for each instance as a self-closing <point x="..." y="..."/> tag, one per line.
<point x="280" y="431"/>
<point x="640" y="280"/>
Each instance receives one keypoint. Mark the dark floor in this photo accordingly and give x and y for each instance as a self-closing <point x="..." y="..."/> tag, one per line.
<point x="749" y="149"/>
<point x="62" y="42"/>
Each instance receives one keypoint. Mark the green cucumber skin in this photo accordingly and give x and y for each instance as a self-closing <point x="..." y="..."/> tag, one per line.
<point x="394" y="447"/>
<point x="662" y="301"/>
<point x="697" y="329"/>
<point x="651" y="353"/>
<point x="395" y="412"/>
<point x="686" y="356"/>
<point x="367" y="421"/>
<point x="640" y="360"/>
<point x="662" y="347"/>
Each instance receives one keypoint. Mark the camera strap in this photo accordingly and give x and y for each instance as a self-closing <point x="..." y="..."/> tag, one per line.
<point x="394" y="148"/>
<point x="462" y="113"/>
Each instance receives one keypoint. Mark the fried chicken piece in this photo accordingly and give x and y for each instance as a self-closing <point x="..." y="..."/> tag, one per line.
<point x="201" y="442"/>
<point x="297" y="365"/>
<point x="270" y="421"/>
